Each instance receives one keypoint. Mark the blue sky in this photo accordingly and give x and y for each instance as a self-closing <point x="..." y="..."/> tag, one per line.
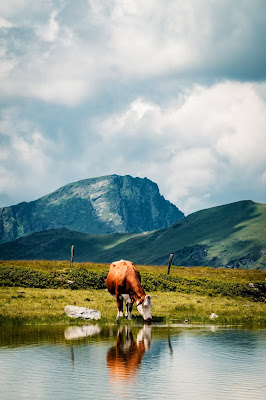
<point x="172" y="90"/>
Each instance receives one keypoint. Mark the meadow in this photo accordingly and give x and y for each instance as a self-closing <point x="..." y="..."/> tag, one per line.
<point x="36" y="292"/>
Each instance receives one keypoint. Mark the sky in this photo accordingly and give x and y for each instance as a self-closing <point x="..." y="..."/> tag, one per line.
<point x="171" y="90"/>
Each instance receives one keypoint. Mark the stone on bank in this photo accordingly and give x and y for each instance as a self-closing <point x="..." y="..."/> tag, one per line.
<point x="82" y="312"/>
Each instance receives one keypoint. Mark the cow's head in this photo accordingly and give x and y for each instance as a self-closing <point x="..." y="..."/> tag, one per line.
<point x="145" y="308"/>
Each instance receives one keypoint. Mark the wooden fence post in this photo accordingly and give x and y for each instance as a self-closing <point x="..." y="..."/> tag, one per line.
<point x="72" y="256"/>
<point x="170" y="263"/>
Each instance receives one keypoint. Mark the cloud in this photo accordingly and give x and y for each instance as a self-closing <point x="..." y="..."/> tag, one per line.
<point x="4" y="23"/>
<point x="210" y="140"/>
<point x="66" y="54"/>
<point x="26" y="10"/>
<point x="43" y="59"/>
<point x="61" y="74"/>
<point x="174" y="91"/>
<point x="49" y="32"/>
<point x="204" y="148"/>
<point x="27" y="158"/>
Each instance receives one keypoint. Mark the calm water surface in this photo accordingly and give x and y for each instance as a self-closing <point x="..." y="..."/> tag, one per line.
<point x="146" y="362"/>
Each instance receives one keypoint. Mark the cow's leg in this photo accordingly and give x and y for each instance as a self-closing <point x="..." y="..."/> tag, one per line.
<point x="129" y="305"/>
<point x="129" y="310"/>
<point x="119" y="300"/>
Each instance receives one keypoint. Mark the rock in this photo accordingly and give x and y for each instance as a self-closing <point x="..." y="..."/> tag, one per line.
<point x="213" y="316"/>
<point x="82" y="312"/>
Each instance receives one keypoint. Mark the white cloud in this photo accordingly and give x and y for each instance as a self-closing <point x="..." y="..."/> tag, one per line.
<point x="203" y="143"/>
<point x="4" y="23"/>
<point x="63" y="73"/>
<point x="49" y="32"/>
<point x="27" y="158"/>
<point x="205" y="148"/>
<point x="76" y="51"/>
<point x="26" y="10"/>
<point x="213" y="141"/>
<point x="6" y="66"/>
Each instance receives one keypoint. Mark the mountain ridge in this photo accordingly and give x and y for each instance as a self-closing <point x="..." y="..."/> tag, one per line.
<point x="231" y="235"/>
<point x="107" y="204"/>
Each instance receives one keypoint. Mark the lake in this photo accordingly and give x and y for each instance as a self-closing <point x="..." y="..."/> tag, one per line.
<point x="144" y="362"/>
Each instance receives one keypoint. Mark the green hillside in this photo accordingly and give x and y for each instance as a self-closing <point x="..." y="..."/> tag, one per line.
<point x="55" y="244"/>
<point x="232" y="235"/>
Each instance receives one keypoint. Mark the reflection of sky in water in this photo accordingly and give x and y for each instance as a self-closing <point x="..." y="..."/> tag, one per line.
<point x="194" y="364"/>
<point x="227" y="365"/>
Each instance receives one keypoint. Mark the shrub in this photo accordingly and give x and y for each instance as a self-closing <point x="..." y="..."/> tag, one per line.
<point x="83" y="277"/>
<point x="25" y="277"/>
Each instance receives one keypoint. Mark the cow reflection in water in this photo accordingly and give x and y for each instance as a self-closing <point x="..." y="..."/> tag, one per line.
<point x="124" y="359"/>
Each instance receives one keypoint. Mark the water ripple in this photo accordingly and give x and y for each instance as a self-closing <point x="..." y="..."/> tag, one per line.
<point x="137" y="363"/>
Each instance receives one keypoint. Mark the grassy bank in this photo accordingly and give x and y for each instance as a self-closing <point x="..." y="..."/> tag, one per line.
<point x="38" y="291"/>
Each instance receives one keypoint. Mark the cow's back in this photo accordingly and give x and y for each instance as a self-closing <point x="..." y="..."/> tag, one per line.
<point x="121" y="274"/>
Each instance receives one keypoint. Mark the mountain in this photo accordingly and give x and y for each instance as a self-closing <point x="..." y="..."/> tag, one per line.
<point x="99" y="205"/>
<point x="232" y="235"/>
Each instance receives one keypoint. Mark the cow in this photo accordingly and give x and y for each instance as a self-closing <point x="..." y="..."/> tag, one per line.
<point x="124" y="282"/>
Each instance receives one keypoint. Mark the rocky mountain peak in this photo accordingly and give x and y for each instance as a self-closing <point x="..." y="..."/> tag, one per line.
<point x="107" y="204"/>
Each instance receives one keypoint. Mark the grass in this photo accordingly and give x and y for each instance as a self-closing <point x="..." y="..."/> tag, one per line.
<point x="190" y="294"/>
<point x="35" y="306"/>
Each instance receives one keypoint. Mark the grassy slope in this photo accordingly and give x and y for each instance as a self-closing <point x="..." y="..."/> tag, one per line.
<point x="33" y="305"/>
<point x="233" y="234"/>
<point x="233" y="231"/>
<point x="56" y="243"/>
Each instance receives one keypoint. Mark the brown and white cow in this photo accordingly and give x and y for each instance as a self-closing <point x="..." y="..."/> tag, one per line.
<point x="124" y="282"/>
